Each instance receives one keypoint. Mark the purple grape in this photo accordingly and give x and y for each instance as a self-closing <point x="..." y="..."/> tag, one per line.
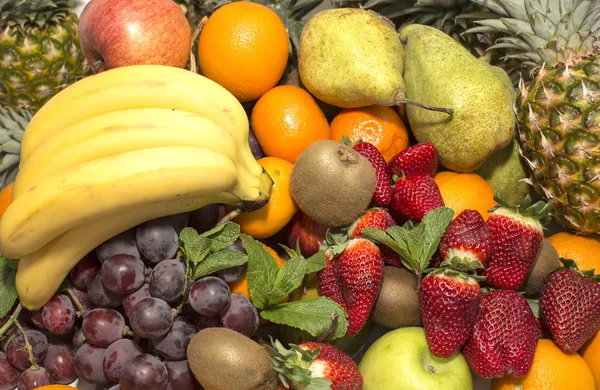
<point x="241" y="316"/>
<point x="117" y="355"/>
<point x="83" y="271"/>
<point x="157" y="240"/>
<point x="78" y="340"/>
<point x="9" y="376"/>
<point x="34" y="377"/>
<point x="122" y="274"/>
<point x="60" y="363"/>
<point x="210" y="296"/>
<point x="205" y="218"/>
<point x="167" y="280"/>
<point x="82" y="296"/>
<point x="102" y="296"/>
<point x="88" y="364"/>
<point x="144" y="372"/>
<point x="173" y="345"/>
<point x="230" y="275"/>
<point x="178" y="221"/>
<point x="180" y="376"/>
<point x="102" y="327"/>
<point x="203" y="322"/>
<point x="132" y="299"/>
<point x="37" y="320"/>
<point x="17" y="354"/>
<point x="151" y="318"/>
<point x="121" y="244"/>
<point x="59" y="315"/>
<point x="255" y="148"/>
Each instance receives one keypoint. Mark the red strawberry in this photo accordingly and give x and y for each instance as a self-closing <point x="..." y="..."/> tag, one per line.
<point x="421" y="157"/>
<point x="360" y="268"/>
<point x="306" y="233"/>
<point x="516" y="238"/>
<point x="450" y="302"/>
<point x="383" y="188"/>
<point x="321" y="361"/>
<point x="467" y="236"/>
<point x="380" y="219"/>
<point x="353" y="279"/>
<point x="415" y="195"/>
<point x="570" y="307"/>
<point x="504" y="337"/>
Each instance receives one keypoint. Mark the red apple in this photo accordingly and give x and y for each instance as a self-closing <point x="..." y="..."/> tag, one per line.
<point x="115" y="33"/>
<point x="307" y="232"/>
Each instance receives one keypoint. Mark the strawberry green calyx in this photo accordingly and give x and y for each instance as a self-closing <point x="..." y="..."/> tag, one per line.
<point x="335" y="242"/>
<point x="462" y="266"/>
<point x="292" y="366"/>
<point x="569" y="264"/>
<point x="528" y="211"/>
<point x="349" y="143"/>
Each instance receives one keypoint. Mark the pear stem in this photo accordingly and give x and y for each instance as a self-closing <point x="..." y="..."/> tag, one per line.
<point x="402" y="100"/>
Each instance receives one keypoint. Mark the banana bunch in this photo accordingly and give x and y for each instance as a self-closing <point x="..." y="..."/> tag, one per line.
<point x="115" y="150"/>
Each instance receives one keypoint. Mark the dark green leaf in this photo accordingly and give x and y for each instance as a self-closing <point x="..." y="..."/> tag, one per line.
<point x="8" y="291"/>
<point x="316" y="262"/>
<point x="223" y="235"/>
<point x="289" y="278"/>
<point x="436" y="221"/>
<point x="220" y="260"/>
<point x="262" y="271"/>
<point x="311" y="315"/>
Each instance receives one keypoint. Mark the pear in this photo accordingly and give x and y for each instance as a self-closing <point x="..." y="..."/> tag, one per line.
<point x="350" y="57"/>
<point x="441" y="72"/>
<point x="505" y="171"/>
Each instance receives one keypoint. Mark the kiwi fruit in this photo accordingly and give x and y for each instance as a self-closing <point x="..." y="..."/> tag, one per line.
<point x="398" y="303"/>
<point x="223" y="359"/>
<point x="547" y="260"/>
<point x="332" y="183"/>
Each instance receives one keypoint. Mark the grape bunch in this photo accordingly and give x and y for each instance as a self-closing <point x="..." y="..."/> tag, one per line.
<point x="129" y="314"/>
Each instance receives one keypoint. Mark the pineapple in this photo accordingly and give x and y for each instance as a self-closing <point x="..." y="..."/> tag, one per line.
<point x="557" y="42"/>
<point x="12" y="127"/>
<point x="39" y="51"/>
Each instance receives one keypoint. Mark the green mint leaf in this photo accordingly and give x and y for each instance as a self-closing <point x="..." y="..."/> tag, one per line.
<point x="223" y="235"/>
<point x="379" y="236"/>
<point x="435" y="223"/>
<point x="8" y="291"/>
<point x="220" y="260"/>
<point x="319" y="384"/>
<point x="289" y="278"/>
<point x="310" y="315"/>
<point x="316" y="262"/>
<point x="262" y="271"/>
<point x="290" y="252"/>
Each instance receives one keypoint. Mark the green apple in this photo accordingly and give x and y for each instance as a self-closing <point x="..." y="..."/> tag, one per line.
<point x="401" y="359"/>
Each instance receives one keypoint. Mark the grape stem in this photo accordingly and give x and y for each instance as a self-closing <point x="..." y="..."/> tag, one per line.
<point x="78" y="304"/>
<point x="34" y="365"/>
<point x="11" y="320"/>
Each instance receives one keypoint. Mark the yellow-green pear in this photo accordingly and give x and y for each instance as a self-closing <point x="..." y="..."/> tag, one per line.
<point x="440" y="72"/>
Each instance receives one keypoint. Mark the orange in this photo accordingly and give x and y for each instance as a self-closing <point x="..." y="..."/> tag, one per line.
<point x="462" y="191"/>
<point x="584" y="250"/>
<point x="244" y="47"/>
<point x="6" y="198"/>
<point x="378" y="125"/>
<point x="55" y="387"/>
<point x="552" y="370"/>
<point x="591" y="354"/>
<point x="273" y="217"/>
<point x="240" y="286"/>
<point x="286" y="120"/>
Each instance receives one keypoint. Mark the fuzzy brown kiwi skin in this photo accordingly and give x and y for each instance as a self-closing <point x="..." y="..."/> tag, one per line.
<point x="223" y="359"/>
<point x="332" y="183"/>
<point x="546" y="261"/>
<point x="398" y="303"/>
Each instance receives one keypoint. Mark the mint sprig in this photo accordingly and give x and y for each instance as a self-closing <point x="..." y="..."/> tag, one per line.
<point x="218" y="261"/>
<point x="8" y="290"/>
<point x="313" y="316"/>
<point x="223" y="235"/>
<point x="194" y="246"/>
<point x="415" y="244"/>
<point x="262" y="273"/>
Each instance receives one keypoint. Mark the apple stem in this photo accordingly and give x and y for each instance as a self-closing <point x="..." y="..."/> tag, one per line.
<point x="195" y="35"/>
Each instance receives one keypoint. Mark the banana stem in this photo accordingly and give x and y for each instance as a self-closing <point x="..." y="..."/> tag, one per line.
<point x="34" y="365"/>
<point x="11" y="320"/>
<point x="403" y="100"/>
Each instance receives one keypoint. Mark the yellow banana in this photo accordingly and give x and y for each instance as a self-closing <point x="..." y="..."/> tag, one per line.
<point x="146" y="86"/>
<point x="40" y="273"/>
<point x="52" y="158"/>
<point x="110" y="185"/>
